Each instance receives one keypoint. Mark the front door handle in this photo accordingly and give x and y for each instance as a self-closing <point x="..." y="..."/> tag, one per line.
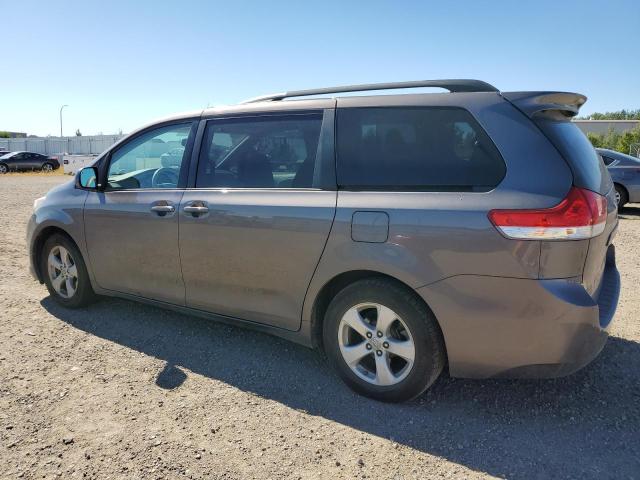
<point x="163" y="209"/>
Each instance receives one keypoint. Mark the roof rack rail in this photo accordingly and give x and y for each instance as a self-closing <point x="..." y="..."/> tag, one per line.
<point x="457" y="85"/>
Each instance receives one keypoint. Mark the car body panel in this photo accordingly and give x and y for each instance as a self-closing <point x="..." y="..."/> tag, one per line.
<point x="132" y="249"/>
<point x="263" y="257"/>
<point x="254" y="248"/>
<point x="62" y="209"/>
<point x="435" y="235"/>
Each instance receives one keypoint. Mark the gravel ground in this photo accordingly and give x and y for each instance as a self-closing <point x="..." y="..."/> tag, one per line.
<point x="122" y="390"/>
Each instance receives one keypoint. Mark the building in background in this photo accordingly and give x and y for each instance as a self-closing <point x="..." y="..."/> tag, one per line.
<point x="84" y="145"/>
<point x="13" y="134"/>
<point x="603" y="126"/>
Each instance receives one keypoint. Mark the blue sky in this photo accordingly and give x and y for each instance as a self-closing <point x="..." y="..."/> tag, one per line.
<point x="119" y="64"/>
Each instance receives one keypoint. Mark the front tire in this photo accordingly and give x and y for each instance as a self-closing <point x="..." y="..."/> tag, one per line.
<point x="47" y="168"/>
<point x="3" y="169"/>
<point x="65" y="272"/>
<point x="383" y="341"/>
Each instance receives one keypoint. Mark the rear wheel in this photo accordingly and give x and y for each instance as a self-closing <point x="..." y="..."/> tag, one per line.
<point x="65" y="272"/>
<point x="622" y="197"/>
<point x="3" y="169"/>
<point x="47" y="167"/>
<point x="383" y="341"/>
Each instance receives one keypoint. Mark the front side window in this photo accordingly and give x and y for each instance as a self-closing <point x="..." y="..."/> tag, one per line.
<point x="423" y="148"/>
<point x="260" y="152"/>
<point x="151" y="160"/>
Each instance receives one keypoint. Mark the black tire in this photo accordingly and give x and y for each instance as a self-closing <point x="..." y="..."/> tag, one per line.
<point x="3" y="168"/>
<point x="84" y="294"/>
<point x="47" y="167"/>
<point x="624" y="196"/>
<point x="430" y="354"/>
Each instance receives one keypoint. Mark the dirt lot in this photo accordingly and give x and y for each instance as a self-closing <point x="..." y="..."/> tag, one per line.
<point x="122" y="390"/>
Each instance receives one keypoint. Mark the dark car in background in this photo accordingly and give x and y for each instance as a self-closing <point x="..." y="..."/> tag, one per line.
<point x="625" y="173"/>
<point x="16" y="161"/>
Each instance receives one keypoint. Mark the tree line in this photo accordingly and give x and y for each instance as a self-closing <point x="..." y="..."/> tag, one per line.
<point x="626" y="142"/>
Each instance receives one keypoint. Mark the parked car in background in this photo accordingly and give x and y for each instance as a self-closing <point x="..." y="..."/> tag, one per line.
<point x="625" y="173"/>
<point x="16" y="161"/>
<point x="398" y="233"/>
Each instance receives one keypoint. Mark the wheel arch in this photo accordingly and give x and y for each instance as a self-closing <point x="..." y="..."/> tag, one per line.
<point x="623" y="187"/>
<point x="38" y="244"/>
<point x="331" y="288"/>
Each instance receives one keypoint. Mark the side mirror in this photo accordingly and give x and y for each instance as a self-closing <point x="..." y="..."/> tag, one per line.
<point x="87" y="178"/>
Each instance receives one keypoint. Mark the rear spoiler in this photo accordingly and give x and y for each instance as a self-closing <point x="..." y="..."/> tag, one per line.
<point x="558" y="105"/>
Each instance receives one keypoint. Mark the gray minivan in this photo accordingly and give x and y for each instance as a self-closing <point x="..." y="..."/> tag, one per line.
<point x="399" y="233"/>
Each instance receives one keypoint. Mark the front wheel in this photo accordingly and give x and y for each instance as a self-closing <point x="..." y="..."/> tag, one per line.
<point x="65" y="272"/>
<point x="47" y="168"/>
<point x="383" y="340"/>
<point x="3" y="169"/>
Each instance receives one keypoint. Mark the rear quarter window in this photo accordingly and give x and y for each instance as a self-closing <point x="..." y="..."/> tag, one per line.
<point x="421" y="148"/>
<point x="588" y="170"/>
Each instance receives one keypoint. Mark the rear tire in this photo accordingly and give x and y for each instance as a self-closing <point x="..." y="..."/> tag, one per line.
<point x="396" y="350"/>
<point x="3" y="169"/>
<point x="622" y="196"/>
<point x="47" y="168"/>
<point x="65" y="272"/>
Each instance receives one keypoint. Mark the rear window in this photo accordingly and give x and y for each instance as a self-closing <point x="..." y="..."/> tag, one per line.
<point x="588" y="171"/>
<point x="424" y="148"/>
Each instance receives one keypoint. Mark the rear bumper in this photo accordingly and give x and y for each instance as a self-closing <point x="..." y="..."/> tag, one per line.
<point x="506" y="327"/>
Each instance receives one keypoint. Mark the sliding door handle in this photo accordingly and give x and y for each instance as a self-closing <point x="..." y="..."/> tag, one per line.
<point x="196" y="209"/>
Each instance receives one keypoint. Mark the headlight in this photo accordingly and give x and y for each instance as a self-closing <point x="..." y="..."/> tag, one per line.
<point x="37" y="202"/>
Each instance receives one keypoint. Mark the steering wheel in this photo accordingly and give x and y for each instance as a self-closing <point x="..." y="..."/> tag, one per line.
<point x="164" y="177"/>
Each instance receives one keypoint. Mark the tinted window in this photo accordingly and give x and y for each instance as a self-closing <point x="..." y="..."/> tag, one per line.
<point x="151" y="160"/>
<point x="415" y="148"/>
<point x="260" y="152"/>
<point x="588" y="171"/>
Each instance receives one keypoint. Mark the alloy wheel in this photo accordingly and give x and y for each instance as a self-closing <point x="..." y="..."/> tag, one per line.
<point x="376" y="344"/>
<point x="63" y="272"/>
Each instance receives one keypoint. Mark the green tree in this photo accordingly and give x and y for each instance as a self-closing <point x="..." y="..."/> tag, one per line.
<point x="620" y="142"/>
<point x="5" y="135"/>
<point x="617" y="115"/>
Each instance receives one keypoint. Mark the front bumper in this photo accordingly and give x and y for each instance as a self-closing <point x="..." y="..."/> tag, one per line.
<point x="31" y="228"/>
<point x="522" y="328"/>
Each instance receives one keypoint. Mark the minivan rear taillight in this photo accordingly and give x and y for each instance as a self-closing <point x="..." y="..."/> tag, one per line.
<point x="582" y="214"/>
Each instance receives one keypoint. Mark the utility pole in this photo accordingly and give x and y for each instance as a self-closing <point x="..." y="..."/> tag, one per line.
<point x="61" y="118"/>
